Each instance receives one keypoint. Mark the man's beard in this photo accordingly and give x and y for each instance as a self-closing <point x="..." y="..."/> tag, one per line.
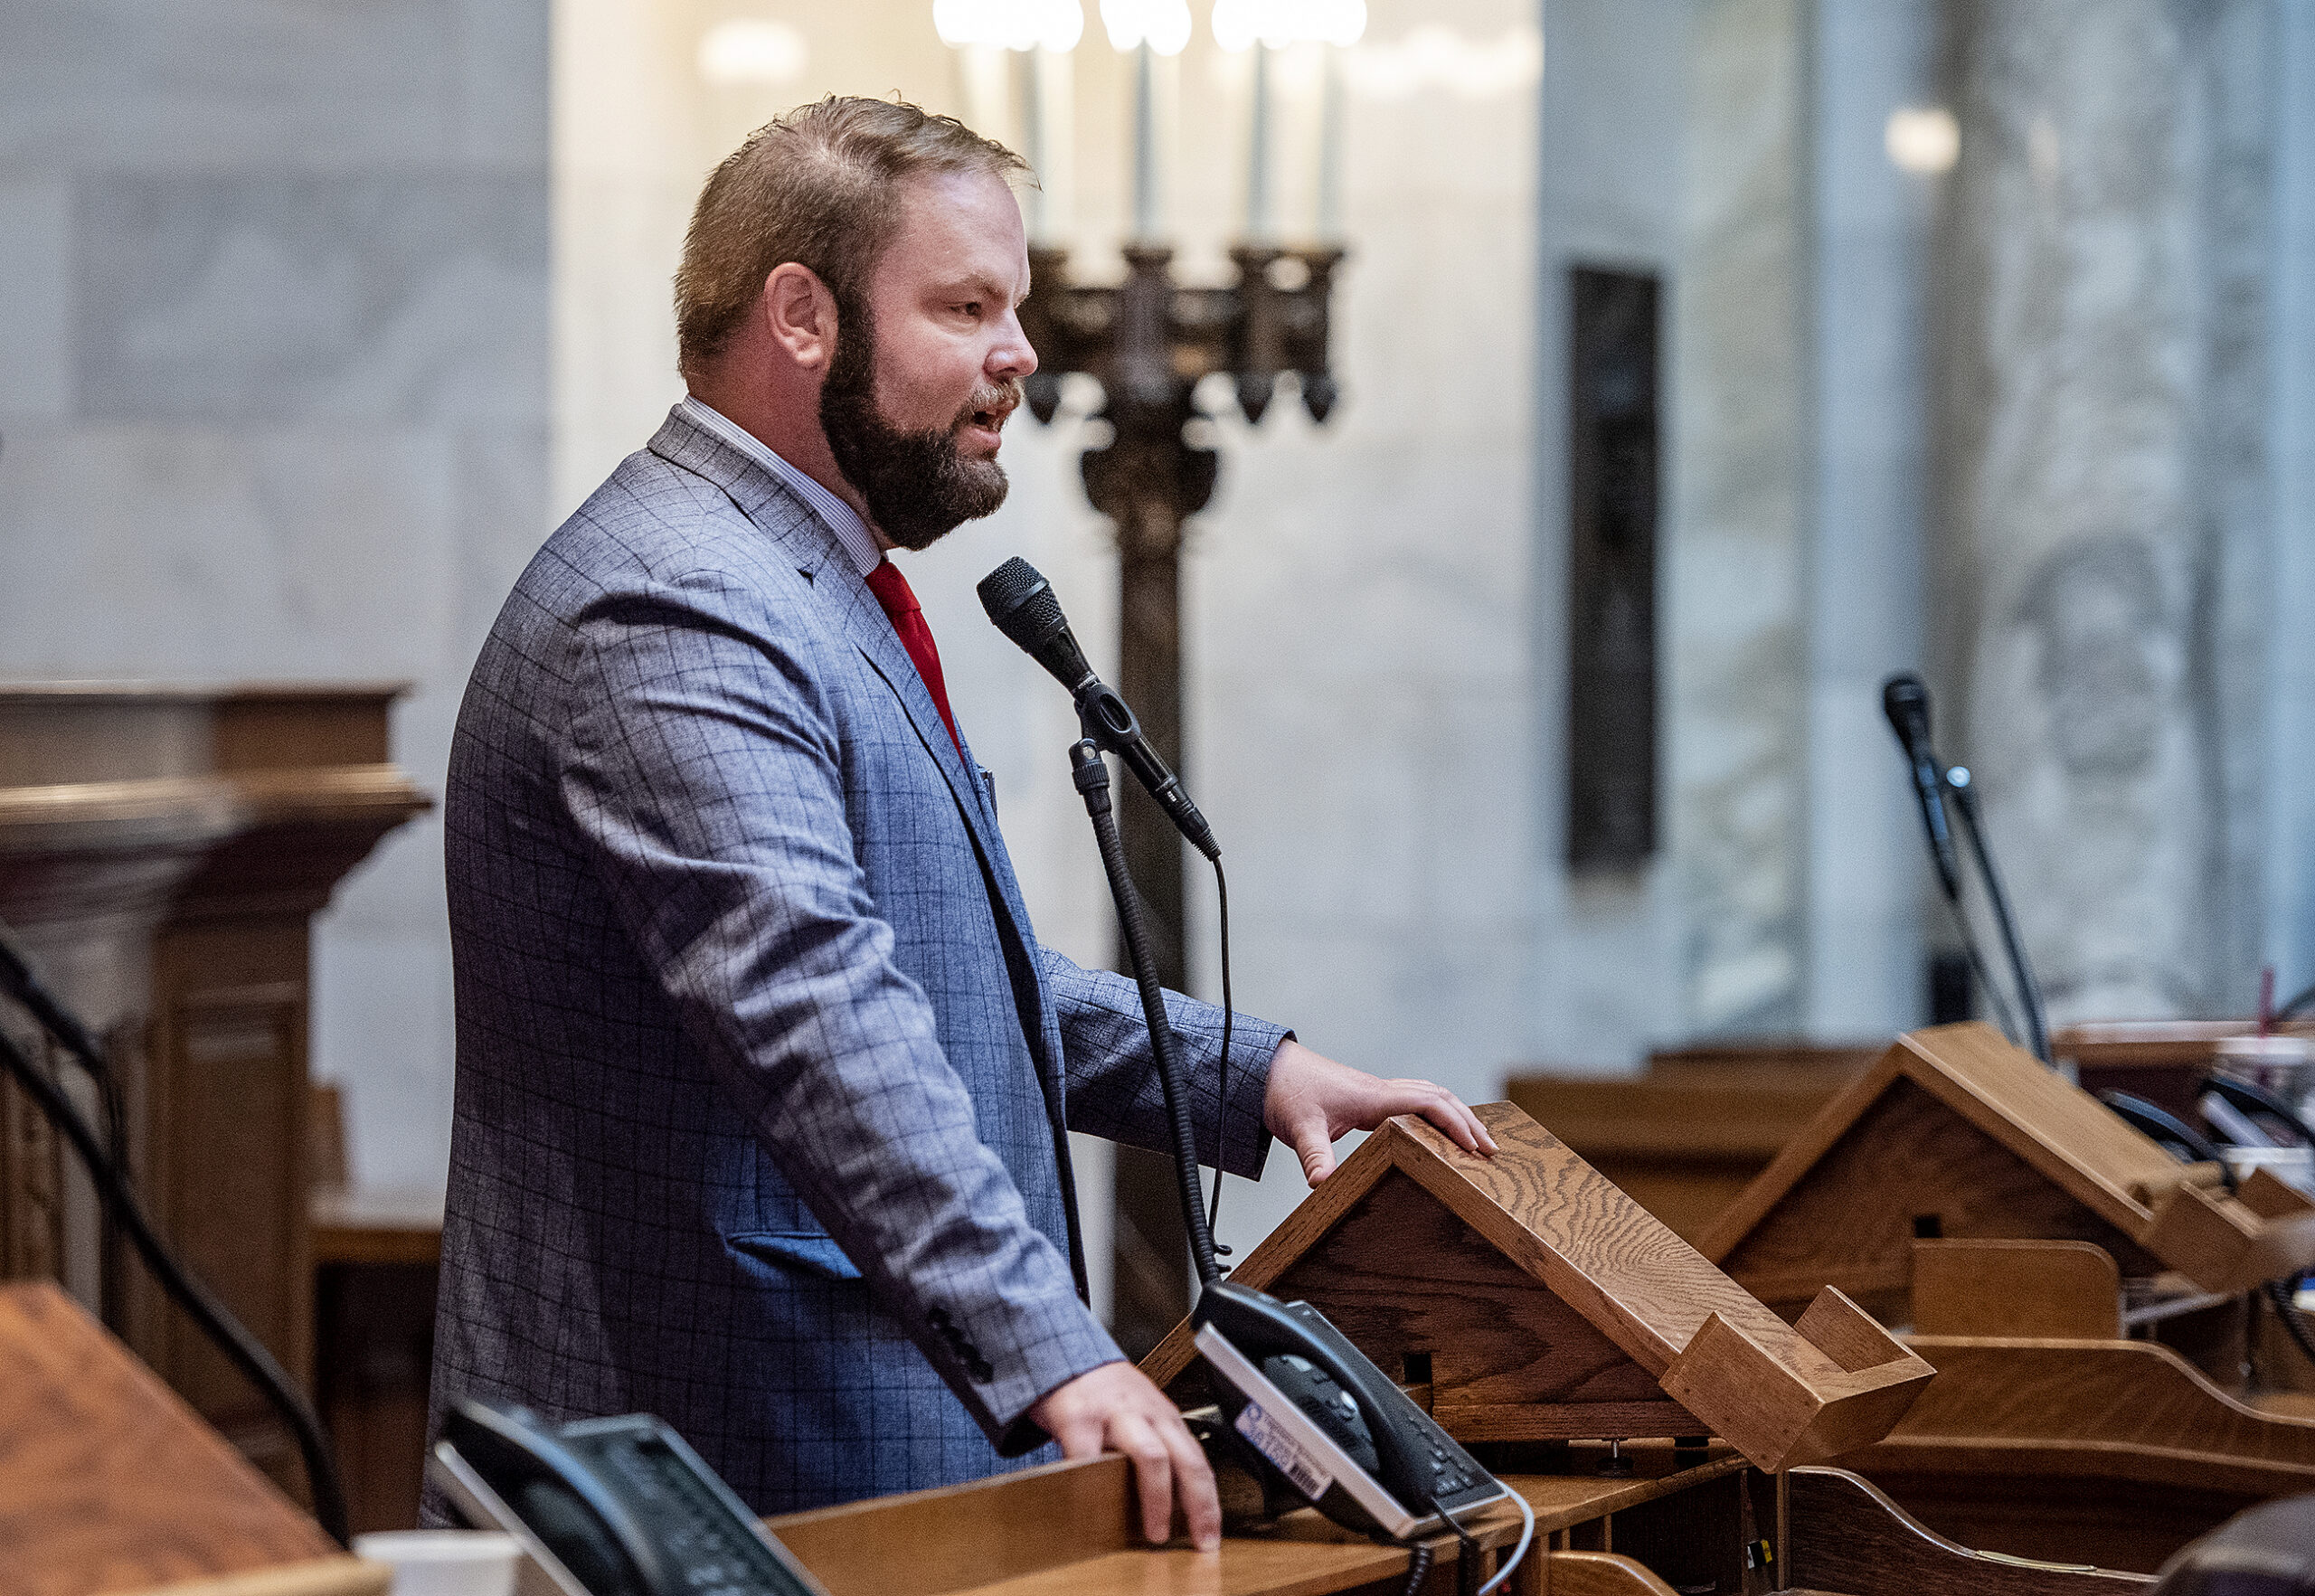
<point x="919" y="485"/>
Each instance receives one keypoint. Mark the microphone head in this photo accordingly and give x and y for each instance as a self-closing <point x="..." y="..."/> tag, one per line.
<point x="1005" y="590"/>
<point x="1023" y="606"/>
<point x="1905" y="699"/>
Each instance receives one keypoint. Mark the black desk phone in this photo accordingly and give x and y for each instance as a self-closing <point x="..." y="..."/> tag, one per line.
<point x="1313" y="1408"/>
<point x="611" y="1507"/>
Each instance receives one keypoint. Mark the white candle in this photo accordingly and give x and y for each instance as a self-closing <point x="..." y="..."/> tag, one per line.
<point x="1033" y="138"/>
<point x="1330" y="147"/>
<point x="1258" y="222"/>
<point x="1145" y="141"/>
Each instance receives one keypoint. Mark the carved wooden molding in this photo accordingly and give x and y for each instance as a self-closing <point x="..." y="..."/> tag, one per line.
<point x="1541" y="1303"/>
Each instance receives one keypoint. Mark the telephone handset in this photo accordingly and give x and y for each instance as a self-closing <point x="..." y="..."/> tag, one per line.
<point x="1314" y="1408"/>
<point x="611" y="1507"/>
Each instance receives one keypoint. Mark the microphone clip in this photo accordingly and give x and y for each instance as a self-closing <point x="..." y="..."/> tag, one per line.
<point x="1109" y="723"/>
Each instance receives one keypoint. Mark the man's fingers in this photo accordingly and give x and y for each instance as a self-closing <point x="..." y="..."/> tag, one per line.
<point x="1194" y="1484"/>
<point x="1316" y="1150"/>
<point x="1153" y="1473"/>
<point x="1443" y="1108"/>
<point x="1080" y="1436"/>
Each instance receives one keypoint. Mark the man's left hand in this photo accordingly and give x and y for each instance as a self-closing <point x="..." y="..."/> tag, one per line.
<point x="1311" y="1100"/>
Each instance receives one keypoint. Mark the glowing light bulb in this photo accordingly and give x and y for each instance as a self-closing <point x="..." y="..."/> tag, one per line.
<point x="1925" y="142"/>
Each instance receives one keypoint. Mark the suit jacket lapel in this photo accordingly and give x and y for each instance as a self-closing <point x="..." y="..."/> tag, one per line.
<point x="812" y="545"/>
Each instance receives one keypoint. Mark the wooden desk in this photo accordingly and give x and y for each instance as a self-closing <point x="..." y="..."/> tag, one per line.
<point x="109" y="1482"/>
<point x="1681" y="1523"/>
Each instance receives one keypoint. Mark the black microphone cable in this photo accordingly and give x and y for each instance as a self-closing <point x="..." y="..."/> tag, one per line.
<point x="1222" y="1080"/>
<point x="243" y="1350"/>
<point x="2297" y="1006"/>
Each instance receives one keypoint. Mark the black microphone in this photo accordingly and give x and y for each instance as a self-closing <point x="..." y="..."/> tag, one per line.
<point x="1905" y="701"/>
<point x="1022" y="604"/>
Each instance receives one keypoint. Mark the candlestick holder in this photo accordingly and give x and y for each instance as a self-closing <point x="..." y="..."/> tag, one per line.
<point x="1149" y="342"/>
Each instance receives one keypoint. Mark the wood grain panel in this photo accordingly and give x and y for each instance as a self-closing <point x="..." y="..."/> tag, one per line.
<point x="1850" y="1218"/>
<point x="1685" y="1138"/>
<point x="1070" y="1527"/>
<point x="957" y="1537"/>
<point x="1845" y="1536"/>
<point x="1402" y="1274"/>
<point x="2133" y="1395"/>
<point x="2117" y="1507"/>
<point x="1400" y="1238"/>
<point x="332" y="1576"/>
<point x="1550" y="1211"/>
<point x="107" y="1480"/>
<point x="2067" y="1289"/>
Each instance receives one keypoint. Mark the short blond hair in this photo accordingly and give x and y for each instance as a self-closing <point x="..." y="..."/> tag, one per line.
<point x="818" y="186"/>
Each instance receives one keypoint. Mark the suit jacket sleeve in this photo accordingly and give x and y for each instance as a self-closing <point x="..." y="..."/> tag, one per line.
<point x="703" y="768"/>
<point x="1113" y="1085"/>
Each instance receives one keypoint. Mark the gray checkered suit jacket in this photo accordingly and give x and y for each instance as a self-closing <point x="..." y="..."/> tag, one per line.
<point x="762" y="1077"/>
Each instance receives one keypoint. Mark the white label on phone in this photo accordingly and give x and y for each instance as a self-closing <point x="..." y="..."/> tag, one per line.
<point x="1275" y="1441"/>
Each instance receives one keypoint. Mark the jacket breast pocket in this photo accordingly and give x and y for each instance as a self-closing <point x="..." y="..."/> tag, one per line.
<point x="812" y="1253"/>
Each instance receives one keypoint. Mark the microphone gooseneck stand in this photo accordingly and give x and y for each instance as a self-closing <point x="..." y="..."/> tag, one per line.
<point x="243" y="1350"/>
<point x="1022" y="605"/>
<point x="1090" y="773"/>
<point x="1905" y="701"/>
<point x="2029" y="990"/>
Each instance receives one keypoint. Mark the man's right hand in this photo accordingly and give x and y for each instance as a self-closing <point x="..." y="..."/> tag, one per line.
<point x="1116" y="1408"/>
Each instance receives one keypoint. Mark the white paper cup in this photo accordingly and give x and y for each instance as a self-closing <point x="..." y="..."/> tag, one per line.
<point x="444" y="1562"/>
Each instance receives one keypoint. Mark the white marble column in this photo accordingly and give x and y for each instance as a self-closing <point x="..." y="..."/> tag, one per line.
<point x="2100" y="353"/>
<point x="1735" y="581"/>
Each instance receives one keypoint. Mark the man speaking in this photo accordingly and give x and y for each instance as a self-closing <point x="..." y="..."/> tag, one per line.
<point x="763" y="1080"/>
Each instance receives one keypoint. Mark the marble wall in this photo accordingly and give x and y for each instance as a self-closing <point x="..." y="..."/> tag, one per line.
<point x="2289" y="834"/>
<point x="2113" y="516"/>
<point x="1607" y="959"/>
<point x="273" y="400"/>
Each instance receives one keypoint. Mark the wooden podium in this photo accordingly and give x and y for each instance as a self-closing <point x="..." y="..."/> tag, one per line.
<point x="1956" y="1134"/>
<point x="162" y="853"/>
<point x="2021" y="1232"/>
<point x="109" y="1483"/>
<point x="1523" y="1297"/>
<point x="1538" y="1313"/>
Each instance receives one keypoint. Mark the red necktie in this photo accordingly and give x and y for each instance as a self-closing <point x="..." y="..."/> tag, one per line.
<point x="900" y="608"/>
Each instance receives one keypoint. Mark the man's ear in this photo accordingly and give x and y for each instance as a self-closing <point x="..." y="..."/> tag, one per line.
<point x="800" y="314"/>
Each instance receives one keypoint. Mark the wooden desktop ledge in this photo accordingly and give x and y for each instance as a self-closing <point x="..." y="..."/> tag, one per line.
<point x="1073" y="1528"/>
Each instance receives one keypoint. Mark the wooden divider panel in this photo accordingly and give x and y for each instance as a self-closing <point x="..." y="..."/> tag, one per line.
<point x="1845" y="1535"/>
<point x="2070" y="1290"/>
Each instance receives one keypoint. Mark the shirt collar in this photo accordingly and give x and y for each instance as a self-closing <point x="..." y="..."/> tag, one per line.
<point x="859" y="542"/>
